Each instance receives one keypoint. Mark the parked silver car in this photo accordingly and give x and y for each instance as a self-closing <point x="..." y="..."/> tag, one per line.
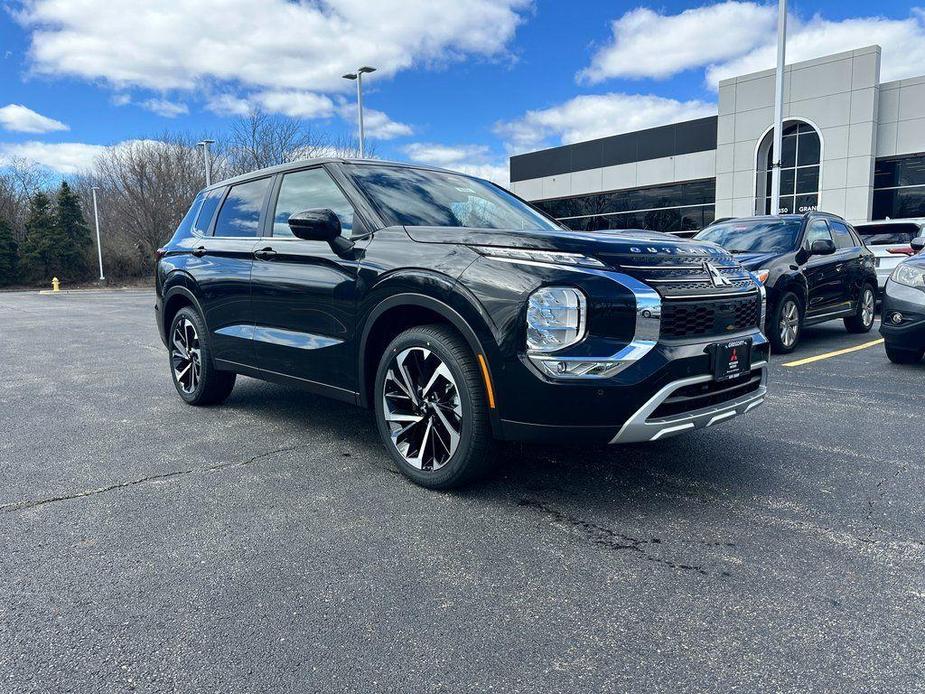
<point x="889" y="239"/>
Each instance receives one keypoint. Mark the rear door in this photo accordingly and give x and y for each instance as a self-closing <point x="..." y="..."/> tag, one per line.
<point x="848" y="253"/>
<point x="225" y="273"/>
<point x="822" y="278"/>
<point x="304" y="294"/>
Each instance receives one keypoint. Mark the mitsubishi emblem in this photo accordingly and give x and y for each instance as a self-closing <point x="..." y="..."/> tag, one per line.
<point x="717" y="278"/>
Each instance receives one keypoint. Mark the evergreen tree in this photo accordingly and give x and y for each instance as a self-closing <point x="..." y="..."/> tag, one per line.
<point x="73" y="230"/>
<point x="37" y="262"/>
<point x="9" y="255"/>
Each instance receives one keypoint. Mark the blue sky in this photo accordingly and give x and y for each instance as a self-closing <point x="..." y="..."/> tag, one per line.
<point x="460" y="84"/>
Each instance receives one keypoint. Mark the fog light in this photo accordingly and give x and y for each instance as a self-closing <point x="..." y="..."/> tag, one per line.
<point x="896" y="318"/>
<point x="575" y="368"/>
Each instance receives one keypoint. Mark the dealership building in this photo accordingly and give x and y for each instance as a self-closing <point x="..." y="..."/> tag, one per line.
<point x="852" y="145"/>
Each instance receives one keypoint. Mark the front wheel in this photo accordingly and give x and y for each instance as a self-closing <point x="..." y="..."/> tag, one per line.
<point x="863" y="320"/>
<point x="431" y="408"/>
<point x="903" y="356"/>
<point x="785" y="324"/>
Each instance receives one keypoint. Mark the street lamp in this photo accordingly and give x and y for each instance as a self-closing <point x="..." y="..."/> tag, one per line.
<point x="96" y="216"/>
<point x="358" y="76"/>
<point x="205" y="153"/>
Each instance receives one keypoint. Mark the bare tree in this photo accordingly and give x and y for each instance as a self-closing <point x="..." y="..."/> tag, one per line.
<point x="20" y="179"/>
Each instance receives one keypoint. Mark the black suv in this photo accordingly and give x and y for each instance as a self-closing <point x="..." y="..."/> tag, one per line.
<point x="814" y="266"/>
<point x="455" y="310"/>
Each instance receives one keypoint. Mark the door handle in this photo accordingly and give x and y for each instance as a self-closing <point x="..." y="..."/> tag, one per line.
<point x="838" y="268"/>
<point x="264" y="253"/>
<point x="199" y="251"/>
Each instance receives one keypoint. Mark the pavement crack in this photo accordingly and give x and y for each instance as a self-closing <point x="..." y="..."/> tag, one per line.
<point x="22" y="505"/>
<point x="611" y="539"/>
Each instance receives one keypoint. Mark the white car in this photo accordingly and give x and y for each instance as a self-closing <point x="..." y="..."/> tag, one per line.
<point x="889" y="239"/>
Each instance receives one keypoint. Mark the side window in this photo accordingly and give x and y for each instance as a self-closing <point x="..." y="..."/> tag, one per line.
<point x="816" y="231"/>
<point x="841" y="235"/>
<point x="186" y="224"/>
<point x="309" y="190"/>
<point x="240" y="214"/>
<point x="207" y="211"/>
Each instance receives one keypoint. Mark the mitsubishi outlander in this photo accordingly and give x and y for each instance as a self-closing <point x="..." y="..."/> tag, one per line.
<point x="456" y="311"/>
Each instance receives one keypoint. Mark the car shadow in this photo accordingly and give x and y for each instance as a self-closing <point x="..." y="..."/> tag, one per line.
<point x="703" y="465"/>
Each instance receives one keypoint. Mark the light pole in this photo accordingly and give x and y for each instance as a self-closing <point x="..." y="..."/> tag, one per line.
<point x="96" y="216"/>
<point x="358" y="76"/>
<point x="205" y="153"/>
<point x="779" y="106"/>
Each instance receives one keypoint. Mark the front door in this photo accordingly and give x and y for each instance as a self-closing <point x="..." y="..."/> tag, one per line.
<point x="303" y="292"/>
<point x="823" y="277"/>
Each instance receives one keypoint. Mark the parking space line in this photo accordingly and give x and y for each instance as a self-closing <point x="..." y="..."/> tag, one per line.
<point x="836" y="353"/>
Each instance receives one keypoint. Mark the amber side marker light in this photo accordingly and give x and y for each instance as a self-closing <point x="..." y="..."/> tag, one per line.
<point x="491" y="392"/>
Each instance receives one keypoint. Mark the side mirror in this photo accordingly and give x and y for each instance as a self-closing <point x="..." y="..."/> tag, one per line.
<point x="315" y="225"/>
<point x="918" y="243"/>
<point x="822" y="247"/>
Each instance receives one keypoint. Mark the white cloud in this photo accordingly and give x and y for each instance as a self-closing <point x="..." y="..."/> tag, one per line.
<point x="165" y="108"/>
<point x="902" y="41"/>
<point x="596" y="115"/>
<point x="61" y="157"/>
<point x="646" y="43"/>
<point x="735" y="38"/>
<point x="376" y="124"/>
<point x="272" y="44"/>
<point x="228" y="105"/>
<point x="18" y="118"/>
<point x="475" y="160"/>
<point x="295" y="104"/>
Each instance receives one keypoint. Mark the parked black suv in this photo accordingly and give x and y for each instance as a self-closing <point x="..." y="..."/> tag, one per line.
<point x="456" y="310"/>
<point x="814" y="266"/>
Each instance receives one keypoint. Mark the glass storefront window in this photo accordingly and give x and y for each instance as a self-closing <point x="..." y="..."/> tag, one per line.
<point x="899" y="187"/>
<point x="799" y="174"/>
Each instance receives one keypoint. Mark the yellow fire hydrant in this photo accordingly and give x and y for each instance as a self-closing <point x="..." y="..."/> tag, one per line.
<point x="55" y="284"/>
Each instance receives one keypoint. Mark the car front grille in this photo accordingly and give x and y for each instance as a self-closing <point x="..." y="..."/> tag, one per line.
<point x="709" y="317"/>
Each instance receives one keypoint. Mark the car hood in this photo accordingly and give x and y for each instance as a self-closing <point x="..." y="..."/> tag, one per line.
<point x="615" y="247"/>
<point x="755" y="261"/>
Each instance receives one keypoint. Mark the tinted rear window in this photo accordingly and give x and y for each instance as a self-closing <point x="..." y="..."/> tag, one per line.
<point x="885" y="234"/>
<point x="186" y="224"/>
<point x="207" y="211"/>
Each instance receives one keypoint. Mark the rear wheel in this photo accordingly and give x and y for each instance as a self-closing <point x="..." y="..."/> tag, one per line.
<point x="863" y="320"/>
<point x="785" y="324"/>
<point x="903" y="356"/>
<point x="430" y="408"/>
<point x="194" y="375"/>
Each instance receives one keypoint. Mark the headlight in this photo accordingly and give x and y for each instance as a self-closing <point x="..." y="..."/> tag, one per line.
<point x="555" y="318"/>
<point x="909" y="275"/>
<point x="761" y="275"/>
<point x="548" y="257"/>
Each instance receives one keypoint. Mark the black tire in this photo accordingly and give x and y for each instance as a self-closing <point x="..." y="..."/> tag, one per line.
<point x="775" y="324"/>
<point x="210" y="386"/>
<point x="863" y="320"/>
<point x="419" y="350"/>
<point x="903" y="356"/>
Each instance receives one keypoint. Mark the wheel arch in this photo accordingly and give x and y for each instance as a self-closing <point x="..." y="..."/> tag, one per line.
<point x="176" y="296"/>
<point x="395" y="314"/>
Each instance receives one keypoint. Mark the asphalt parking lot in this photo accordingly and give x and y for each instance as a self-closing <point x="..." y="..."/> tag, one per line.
<point x="269" y="544"/>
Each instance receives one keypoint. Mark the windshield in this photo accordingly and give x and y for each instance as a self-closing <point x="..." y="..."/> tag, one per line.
<point x="754" y="236"/>
<point x="417" y="197"/>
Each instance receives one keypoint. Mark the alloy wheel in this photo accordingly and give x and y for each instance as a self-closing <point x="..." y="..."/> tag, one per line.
<point x="421" y="405"/>
<point x="186" y="355"/>
<point x="867" y="307"/>
<point x="789" y="324"/>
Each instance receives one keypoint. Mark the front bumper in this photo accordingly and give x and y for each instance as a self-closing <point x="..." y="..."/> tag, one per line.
<point x="910" y="302"/>
<point x="644" y="425"/>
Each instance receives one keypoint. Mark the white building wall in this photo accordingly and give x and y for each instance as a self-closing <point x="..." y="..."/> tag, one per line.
<point x="838" y="94"/>
<point x="901" y="121"/>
